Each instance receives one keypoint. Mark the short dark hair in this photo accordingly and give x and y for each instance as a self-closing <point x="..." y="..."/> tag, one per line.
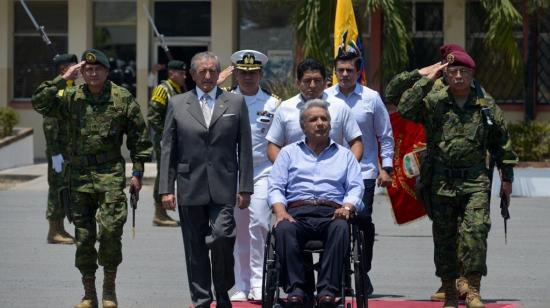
<point x="310" y="65"/>
<point x="349" y="56"/>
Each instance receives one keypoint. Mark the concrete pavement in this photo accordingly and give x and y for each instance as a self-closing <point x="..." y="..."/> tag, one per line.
<point x="33" y="273"/>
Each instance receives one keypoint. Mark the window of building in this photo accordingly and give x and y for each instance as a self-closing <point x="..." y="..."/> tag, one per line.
<point x="183" y="18"/>
<point x="115" y="34"/>
<point x="426" y="28"/>
<point x="493" y="74"/>
<point x="32" y="58"/>
<point x="266" y="26"/>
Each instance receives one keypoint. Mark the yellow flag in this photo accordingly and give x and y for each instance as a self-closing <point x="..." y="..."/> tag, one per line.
<point x="346" y="34"/>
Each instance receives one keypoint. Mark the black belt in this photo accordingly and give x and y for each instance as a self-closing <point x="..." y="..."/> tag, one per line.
<point x="314" y="202"/>
<point x="94" y="159"/>
<point x="462" y="173"/>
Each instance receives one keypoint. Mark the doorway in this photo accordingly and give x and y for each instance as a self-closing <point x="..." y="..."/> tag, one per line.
<point x="178" y="52"/>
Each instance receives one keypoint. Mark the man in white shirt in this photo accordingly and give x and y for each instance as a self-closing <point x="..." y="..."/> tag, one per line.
<point x="373" y="119"/>
<point x="285" y="129"/>
<point x="253" y="223"/>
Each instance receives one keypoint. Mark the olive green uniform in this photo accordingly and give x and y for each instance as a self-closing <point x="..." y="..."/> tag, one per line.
<point x="96" y="172"/>
<point x="459" y="188"/>
<point x="156" y="114"/>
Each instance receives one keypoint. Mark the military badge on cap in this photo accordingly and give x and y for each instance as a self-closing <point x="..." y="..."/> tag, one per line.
<point x="94" y="56"/>
<point x="248" y="60"/>
<point x="450" y="58"/>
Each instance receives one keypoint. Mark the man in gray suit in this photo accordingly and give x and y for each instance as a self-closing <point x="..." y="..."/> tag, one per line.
<point x="206" y="147"/>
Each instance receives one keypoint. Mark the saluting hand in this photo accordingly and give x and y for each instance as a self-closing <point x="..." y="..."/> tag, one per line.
<point x="228" y="71"/>
<point x="72" y="71"/>
<point x="433" y="71"/>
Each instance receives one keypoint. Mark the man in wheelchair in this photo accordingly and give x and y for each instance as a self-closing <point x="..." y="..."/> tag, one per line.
<point x="315" y="187"/>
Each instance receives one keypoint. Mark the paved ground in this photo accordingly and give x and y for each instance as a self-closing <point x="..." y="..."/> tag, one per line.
<point x="153" y="271"/>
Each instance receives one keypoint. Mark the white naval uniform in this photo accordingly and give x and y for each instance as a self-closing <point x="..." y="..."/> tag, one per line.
<point x="253" y="223"/>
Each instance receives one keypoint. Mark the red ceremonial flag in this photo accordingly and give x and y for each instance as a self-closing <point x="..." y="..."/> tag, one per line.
<point x="408" y="136"/>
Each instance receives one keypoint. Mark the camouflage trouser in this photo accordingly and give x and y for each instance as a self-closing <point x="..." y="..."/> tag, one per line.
<point x="460" y="228"/>
<point x="109" y="210"/>
<point x="156" y="196"/>
<point x="54" y="210"/>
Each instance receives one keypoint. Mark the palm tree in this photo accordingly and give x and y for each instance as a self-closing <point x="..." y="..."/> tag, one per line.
<point x="314" y="26"/>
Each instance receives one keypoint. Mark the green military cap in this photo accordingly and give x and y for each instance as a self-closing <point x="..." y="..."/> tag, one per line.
<point x="177" y="65"/>
<point x="94" y="56"/>
<point x="64" y="58"/>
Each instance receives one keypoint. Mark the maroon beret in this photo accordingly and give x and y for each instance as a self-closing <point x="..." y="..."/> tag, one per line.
<point x="448" y="48"/>
<point x="460" y="58"/>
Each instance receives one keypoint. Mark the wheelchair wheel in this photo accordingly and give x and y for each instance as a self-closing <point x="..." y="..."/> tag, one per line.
<point x="269" y="277"/>
<point x="359" y="274"/>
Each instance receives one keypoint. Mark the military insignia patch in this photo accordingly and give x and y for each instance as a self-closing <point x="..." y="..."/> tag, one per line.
<point x="90" y="57"/>
<point x="450" y="58"/>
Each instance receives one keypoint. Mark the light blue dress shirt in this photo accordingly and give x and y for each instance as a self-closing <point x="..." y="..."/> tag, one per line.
<point x="373" y="119"/>
<point x="300" y="174"/>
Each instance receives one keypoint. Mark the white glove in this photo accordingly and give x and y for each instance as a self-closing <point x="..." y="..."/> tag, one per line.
<point x="57" y="163"/>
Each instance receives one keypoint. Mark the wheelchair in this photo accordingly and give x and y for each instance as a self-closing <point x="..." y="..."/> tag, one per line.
<point x="355" y="255"/>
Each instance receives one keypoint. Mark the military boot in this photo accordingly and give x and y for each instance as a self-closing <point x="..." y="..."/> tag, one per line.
<point x="56" y="233"/>
<point x="90" y="296"/>
<point x="109" y="293"/>
<point x="451" y="295"/>
<point x="439" y="295"/>
<point x="473" y="299"/>
<point x="63" y="231"/>
<point x="463" y="287"/>
<point x="162" y="219"/>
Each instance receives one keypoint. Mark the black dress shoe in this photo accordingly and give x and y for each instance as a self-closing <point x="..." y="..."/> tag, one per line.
<point x="326" y="301"/>
<point x="295" y="301"/>
<point x="222" y="300"/>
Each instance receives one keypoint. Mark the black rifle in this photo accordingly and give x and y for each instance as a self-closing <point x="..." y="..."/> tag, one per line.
<point x="504" y="211"/>
<point x="134" y="197"/>
<point x="64" y="197"/>
<point x="159" y="36"/>
<point x="39" y="28"/>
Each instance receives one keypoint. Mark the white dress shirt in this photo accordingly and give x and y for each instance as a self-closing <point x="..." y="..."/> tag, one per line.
<point x="286" y="123"/>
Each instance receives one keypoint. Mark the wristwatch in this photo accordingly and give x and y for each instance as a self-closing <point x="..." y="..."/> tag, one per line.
<point x="389" y="170"/>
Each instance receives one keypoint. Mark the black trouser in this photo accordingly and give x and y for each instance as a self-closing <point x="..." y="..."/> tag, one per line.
<point x="364" y="221"/>
<point x="312" y="223"/>
<point x="209" y="227"/>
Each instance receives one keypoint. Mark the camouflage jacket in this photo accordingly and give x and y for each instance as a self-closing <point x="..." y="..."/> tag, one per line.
<point x="55" y="131"/>
<point x="156" y="112"/>
<point x="459" y="137"/>
<point x="96" y="129"/>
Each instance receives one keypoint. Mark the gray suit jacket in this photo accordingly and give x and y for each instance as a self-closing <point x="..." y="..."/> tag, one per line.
<point x="207" y="162"/>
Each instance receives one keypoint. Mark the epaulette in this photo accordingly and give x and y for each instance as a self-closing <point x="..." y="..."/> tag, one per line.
<point x="159" y="95"/>
<point x="271" y="94"/>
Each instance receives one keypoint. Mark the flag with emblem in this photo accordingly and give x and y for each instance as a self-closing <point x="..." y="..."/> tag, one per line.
<point x="408" y="136"/>
<point x="346" y="35"/>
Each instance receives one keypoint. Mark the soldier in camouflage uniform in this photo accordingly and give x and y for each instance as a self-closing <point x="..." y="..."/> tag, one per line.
<point x="393" y="92"/>
<point x="461" y="124"/>
<point x="155" y="117"/>
<point x="98" y="114"/>
<point x="56" y="143"/>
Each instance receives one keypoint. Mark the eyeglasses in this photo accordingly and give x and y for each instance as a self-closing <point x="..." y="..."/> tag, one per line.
<point x="453" y="71"/>
<point x="90" y="70"/>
